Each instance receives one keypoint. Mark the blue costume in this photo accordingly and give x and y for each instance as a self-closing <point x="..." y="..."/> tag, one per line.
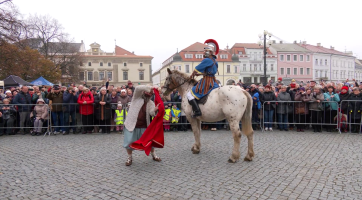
<point x="209" y="68"/>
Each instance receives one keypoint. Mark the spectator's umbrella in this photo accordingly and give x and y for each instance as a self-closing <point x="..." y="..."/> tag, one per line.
<point x="41" y="81"/>
<point x="14" y="81"/>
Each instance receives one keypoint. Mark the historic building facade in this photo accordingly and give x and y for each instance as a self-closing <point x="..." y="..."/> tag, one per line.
<point x="119" y="67"/>
<point x="187" y="59"/>
<point x="251" y="57"/>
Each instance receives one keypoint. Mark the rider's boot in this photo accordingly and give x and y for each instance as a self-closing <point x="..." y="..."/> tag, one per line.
<point x="195" y="108"/>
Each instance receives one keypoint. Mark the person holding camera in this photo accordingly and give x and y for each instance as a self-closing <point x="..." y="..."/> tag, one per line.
<point x="70" y="105"/>
<point x="37" y="95"/>
<point x="301" y="109"/>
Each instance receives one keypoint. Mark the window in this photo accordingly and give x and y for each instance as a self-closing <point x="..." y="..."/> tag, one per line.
<point x="288" y="57"/>
<point x="223" y="56"/>
<point x="308" y="71"/>
<point x="325" y="62"/>
<point x="244" y="67"/>
<point x="101" y="64"/>
<point x="89" y="64"/>
<point x="90" y="76"/>
<point x="295" y="58"/>
<point x="187" y="68"/>
<point x="301" y="58"/>
<point x="295" y="71"/>
<point x="235" y="69"/>
<point x="247" y="79"/>
<point x="251" y="67"/>
<point x="109" y="64"/>
<point x="188" y="55"/>
<point x="227" y="68"/>
<point x="178" y="67"/>
<point x="142" y="77"/>
<point x="255" y="67"/>
<point x="255" y="79"/>
<point x="199" y="56"/>
<point x="288" y="71"/>
<point x="125" y="64"/>
<point x="240" y="53"/>
<point x="141" y="64"/>
<point x="316" y="61"/>
<point x="81" y="76"/>
<point x="321" y="62"/>
<point x="325" y="73"/>
<point x="125" y="75"/>
<point x="109" y="75"/>
<point x="281" y="57"/>
<point x="271" y="67"/>
<point x="101" y="75"/>
<point x="80" y="63"/>
<point x="308" y="58"/>
<point x="282" y="71"/>
<point x="301" y="71"/>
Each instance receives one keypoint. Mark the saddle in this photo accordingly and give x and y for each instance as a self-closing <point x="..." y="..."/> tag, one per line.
<point x="203" y="100"/>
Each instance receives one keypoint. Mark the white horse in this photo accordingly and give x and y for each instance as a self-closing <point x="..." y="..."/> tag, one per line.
<point x="227" y="102"/>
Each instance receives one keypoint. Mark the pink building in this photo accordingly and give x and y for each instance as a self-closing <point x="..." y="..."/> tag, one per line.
<point x="294" y="61"/>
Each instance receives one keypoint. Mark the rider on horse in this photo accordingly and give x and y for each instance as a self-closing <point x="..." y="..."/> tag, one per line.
<point x="208" y="68"/>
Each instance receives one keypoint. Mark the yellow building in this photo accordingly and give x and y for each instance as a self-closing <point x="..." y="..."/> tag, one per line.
<point x="187" y="59"/>
<point x="119" y="67"/>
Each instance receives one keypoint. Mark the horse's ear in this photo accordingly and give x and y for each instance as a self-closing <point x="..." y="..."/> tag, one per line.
<point x="169" y="71"/>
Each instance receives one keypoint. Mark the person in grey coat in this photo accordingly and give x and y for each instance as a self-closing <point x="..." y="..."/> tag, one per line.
<point x="315" y="108"/>
<point x="282" y="108"/>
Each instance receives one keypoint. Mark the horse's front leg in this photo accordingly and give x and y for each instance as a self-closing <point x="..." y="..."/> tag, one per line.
<point x="196" y="128"/>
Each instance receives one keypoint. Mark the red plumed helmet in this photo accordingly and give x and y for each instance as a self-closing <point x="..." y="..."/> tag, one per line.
<point x="213" y="43"/>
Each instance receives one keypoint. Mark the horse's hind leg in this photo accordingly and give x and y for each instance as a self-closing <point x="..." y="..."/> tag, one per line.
<point x="196" y="128"/>
<point x="249" y="156"/>
<point x="234" y="127"/>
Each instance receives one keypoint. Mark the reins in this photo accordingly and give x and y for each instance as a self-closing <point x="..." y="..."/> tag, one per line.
<point x="185" y="81"/>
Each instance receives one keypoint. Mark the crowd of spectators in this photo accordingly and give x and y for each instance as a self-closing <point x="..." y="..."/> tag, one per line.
<point x="73" y="109"/>
<point x="76" y="109"/>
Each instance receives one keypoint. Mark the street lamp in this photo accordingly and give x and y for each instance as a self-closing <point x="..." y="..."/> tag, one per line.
<point x="263" y="38"/>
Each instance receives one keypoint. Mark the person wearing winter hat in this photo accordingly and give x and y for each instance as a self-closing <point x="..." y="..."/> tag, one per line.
<point x="344" y="95"/>
<point x="41" y="114"/>
<point x="119" y="116"/>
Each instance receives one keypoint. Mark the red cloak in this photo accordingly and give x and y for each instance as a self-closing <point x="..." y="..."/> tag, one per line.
<point x="153" y="135"/>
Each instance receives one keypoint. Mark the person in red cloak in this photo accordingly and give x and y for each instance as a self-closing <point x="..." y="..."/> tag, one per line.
<point x="138" y="119"/>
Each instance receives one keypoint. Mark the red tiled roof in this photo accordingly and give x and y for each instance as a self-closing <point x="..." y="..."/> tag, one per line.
<point x="125" y="56"/>
<point x="197" y="46"/>
<point x="321" y="49"/>
<point x="242" y="46"/>
<point x="121" y="51"/>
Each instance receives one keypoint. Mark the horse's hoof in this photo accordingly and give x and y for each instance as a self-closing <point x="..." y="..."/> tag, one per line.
<point x="231" y="161"/>
<point x="194" y="151"/>
<point x="248" y="159"/>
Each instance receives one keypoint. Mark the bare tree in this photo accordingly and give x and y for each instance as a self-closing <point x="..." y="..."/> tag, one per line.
<point x="12" y="28"/>
<point x="54" y="44"/>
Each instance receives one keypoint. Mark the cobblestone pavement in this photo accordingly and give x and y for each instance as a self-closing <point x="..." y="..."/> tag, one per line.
<point x="288" y="165"/>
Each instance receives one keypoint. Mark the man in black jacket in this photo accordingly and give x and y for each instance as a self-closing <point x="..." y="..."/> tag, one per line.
<point x="21" y="99"/>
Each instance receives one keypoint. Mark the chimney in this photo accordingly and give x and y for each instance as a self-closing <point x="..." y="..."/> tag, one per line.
<point x="304" y="42"/>
<point x="295" y="42"/>
<point x="81" y="41"/>
<point x="281" y="42"/>
<point x="318" y="44"/>
<point x="332" y="48"/>
<point x="273" y="41"/>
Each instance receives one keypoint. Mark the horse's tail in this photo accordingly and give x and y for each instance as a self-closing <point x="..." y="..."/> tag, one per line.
<point x="246" y="118"/>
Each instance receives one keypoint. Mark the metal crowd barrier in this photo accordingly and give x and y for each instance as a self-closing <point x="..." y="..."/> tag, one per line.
<point x="17" y="113"/>
<point x="325" y="115"/>
<point x="94" y="122"/>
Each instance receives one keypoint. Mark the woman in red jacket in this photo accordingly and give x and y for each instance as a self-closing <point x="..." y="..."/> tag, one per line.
<point x="85" y="101"/>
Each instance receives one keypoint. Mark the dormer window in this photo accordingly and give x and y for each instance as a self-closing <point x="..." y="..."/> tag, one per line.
<point x="188" y="56"/>
<point x="199" y="56"/>
<point x="223" y="56"/>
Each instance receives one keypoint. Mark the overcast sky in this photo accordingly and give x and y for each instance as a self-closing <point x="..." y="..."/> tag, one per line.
<point x="159" y="27"/>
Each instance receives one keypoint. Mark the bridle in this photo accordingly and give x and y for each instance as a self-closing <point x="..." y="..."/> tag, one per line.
<point x="166" y="86"/>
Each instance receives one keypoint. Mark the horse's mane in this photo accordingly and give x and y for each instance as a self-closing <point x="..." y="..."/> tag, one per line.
<point x="179" y="77"/>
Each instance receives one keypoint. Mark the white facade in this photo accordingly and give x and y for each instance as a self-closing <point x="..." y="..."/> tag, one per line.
<point x="252" y="66"/>
<point x="343" y="67"/>
<point x="321" y="66"/>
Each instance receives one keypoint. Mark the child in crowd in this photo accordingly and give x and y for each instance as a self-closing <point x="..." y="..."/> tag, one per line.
<point x="119" y="117"/>
<point x="166" y="118"/>
<point x="176" y="113"/>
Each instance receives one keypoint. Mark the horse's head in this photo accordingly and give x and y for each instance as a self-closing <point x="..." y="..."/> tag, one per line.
<point x="169" y="84"/>
<point x="174" y="80"/>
